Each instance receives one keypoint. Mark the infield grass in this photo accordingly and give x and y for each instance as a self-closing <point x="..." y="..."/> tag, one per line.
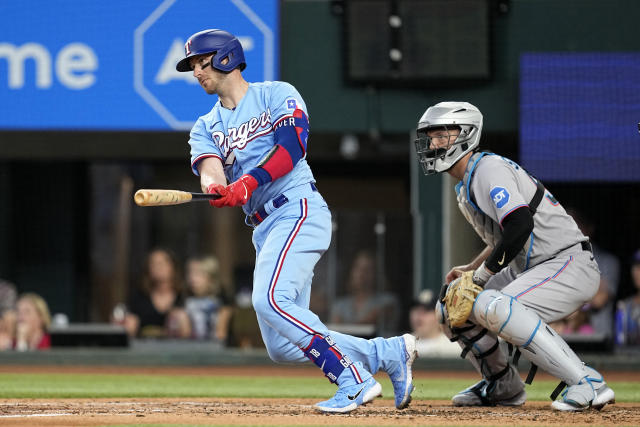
<point x="75" y="385"/>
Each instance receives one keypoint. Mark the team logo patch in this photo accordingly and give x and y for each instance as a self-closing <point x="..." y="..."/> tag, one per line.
<point x="292" y="104"/>
<point x="500" y="196"/>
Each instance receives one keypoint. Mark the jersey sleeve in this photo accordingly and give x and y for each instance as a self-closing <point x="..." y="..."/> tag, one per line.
<point x="202" y="145"/>
<point x="284" y="100"/>
<point x="495" y="190"/>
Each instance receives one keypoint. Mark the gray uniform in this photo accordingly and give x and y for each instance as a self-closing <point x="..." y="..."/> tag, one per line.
<point x="550" y="277"/>
<point x="552" y="274"/>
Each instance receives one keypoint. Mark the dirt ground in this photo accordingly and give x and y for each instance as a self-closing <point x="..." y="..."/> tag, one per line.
<point x="232" y="411"/>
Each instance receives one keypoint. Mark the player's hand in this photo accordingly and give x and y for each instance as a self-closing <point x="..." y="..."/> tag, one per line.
<point x="235" y="194"/>
<point x="216" y="189"/>
<point x="455" y="272"/>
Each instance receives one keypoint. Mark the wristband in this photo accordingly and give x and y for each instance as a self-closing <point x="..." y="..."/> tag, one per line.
<point x="482" y="275"/>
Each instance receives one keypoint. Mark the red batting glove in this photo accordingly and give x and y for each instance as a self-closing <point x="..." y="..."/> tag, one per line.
<point x="217" y="189"/>
<point x="235" y="194"/>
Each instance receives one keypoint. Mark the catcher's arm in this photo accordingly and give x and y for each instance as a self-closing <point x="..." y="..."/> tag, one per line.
<point x="457" y="271"/>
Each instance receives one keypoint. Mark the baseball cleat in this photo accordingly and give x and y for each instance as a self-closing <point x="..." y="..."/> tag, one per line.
<point x="590" y="392"/>
<point x="400" y="371"/>
<point x="476" y="395"/>
<point x="350" y="397"/>
<point x="507" y="390"/>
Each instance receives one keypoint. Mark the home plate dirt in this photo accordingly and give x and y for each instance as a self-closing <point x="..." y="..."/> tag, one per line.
<point x="270" y="412"/>
<point x="91" y="412"/>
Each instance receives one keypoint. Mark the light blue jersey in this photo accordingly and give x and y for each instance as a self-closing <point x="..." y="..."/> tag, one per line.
<point x="292" y="230"/>
<point x="242" y="137"/>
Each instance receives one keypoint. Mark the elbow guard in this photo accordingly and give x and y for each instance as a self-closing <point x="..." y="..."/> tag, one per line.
<point x="291" y="134"/>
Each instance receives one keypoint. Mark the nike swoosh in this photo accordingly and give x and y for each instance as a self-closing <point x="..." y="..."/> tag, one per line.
<point x="213" y="125"/>
<point x="246" y="194"/>
<point x="354" y="397"/>
<point x="502" y="260"/>
<point x="322" y="367"/>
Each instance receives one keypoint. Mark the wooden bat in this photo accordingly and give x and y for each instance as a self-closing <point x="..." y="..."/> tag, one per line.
<point x="153" y="197"/>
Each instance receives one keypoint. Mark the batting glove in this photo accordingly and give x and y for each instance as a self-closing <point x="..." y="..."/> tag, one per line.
<point x="235" y="194"/>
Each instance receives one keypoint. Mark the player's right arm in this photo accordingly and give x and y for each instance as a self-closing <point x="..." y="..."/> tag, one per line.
<point x="457" y="271"/>
<point x="211" y="172"/>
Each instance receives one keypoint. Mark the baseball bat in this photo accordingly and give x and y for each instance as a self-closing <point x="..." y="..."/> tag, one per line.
<point x="154" y="197"/>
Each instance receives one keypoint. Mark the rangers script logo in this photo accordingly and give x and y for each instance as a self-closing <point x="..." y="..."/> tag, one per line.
<point x="238" y="137"/>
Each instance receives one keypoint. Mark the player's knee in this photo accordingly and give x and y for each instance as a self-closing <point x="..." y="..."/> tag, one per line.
<point x="492" y="310"/>
<point x="260" y="304"/>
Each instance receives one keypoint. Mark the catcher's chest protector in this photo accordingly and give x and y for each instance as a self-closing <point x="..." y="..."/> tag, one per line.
<point x="488" y="229"/>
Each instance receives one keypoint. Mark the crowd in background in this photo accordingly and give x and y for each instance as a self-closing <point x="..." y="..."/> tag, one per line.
<point x="193" y="303"/>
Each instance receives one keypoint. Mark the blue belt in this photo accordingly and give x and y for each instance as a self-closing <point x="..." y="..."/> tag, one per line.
<point x="261" y="214"/>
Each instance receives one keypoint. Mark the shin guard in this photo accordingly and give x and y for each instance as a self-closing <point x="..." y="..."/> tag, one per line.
<point x="537" y="341"/>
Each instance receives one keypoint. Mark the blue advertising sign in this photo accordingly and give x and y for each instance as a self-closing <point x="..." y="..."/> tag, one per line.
<point x="110" y="65"/>
<point x="579" y="115"/>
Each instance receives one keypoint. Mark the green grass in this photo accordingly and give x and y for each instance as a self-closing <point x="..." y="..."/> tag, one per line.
<point x="13" y="386"/>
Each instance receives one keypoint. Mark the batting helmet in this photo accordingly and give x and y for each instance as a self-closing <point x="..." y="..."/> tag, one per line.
<point x="219" y="42"/>
<point x="447" y="115"/>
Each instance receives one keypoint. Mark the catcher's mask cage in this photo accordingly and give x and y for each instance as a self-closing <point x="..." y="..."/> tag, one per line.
<point x="447" y="116"/>
<point x="221" y="43"/>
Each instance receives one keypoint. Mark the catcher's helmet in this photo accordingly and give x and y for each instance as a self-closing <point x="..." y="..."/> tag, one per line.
<point x="222" y="43"/>
<point x="447" y="115"/>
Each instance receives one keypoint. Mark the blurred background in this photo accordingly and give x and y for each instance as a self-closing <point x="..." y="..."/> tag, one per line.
<point x="92" y="109"/>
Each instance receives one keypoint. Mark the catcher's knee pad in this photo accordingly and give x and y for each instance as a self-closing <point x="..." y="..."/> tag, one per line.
<point x="493" y="310"/>
<point x="323" y="352"/>
<point x="522" y="327"/>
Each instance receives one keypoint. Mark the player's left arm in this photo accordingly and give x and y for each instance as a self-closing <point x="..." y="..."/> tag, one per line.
<point x="290" y="134"/>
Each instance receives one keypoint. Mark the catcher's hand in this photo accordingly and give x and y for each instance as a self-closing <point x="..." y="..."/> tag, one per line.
<point x="461" y="293"/>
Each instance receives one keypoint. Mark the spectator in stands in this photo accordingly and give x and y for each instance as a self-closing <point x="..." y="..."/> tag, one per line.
<point x="364" y="304"/>
<point x="208" y="304"/>
<point x="628" y="314"/>
<point x="578" y="323"/>
<point x="245" y="332"/>
<point x="156" y="310"/>
<point x="432" y="342"/>
<point x="32" y="324"/>
<point x="7" y="314"/>
<point x="601" y="307"/>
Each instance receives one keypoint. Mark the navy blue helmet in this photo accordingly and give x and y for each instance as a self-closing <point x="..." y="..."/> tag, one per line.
<point x="222" y="43"/>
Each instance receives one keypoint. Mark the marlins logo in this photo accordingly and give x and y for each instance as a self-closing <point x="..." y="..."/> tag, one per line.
<point x="500" y="196"/>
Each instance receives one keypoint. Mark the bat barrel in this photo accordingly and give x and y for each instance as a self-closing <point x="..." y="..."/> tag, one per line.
<point x="149" y="197"/>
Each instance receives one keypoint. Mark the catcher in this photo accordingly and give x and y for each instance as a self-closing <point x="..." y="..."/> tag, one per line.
<point x="537" y="267"/>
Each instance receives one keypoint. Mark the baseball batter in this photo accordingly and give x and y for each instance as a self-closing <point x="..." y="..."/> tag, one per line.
<point x="537" y="268"/>
<point x="255" y="139"/>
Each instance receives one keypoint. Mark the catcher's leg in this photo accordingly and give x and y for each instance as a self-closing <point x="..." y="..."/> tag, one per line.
<point x="500" y="384"/>
<point x="539" y="343"/>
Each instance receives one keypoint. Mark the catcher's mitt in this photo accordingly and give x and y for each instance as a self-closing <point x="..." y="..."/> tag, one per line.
<point x="459" y="299"/>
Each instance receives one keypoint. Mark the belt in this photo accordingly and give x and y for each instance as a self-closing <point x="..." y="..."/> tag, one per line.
<point x="261" y="214"/>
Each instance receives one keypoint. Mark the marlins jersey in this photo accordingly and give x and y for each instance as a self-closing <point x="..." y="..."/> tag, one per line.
<point x="242" y="137"/>
<point x="493" y="187"/>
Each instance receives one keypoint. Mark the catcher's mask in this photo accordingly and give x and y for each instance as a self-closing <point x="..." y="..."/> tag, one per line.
<point x="447" y="116"/>
<point x="221" y="43"/>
